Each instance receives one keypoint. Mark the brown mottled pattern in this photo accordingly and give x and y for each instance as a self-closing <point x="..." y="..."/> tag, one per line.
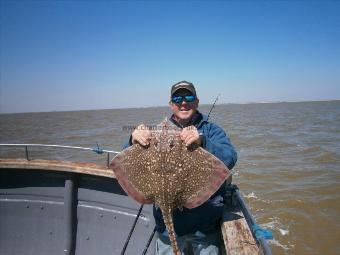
<point x="169" y="174"/>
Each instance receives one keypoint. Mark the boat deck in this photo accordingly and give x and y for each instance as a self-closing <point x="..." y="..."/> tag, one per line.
<point x="54" y="207"/>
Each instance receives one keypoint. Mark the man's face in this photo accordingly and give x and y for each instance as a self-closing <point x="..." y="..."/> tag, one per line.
<point x="184" y="110"/>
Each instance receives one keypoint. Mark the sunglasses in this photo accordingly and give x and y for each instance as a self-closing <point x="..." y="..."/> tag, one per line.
<point x="180" y="99"/>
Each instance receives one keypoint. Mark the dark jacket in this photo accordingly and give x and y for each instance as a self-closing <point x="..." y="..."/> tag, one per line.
<point x="205" y="217"/>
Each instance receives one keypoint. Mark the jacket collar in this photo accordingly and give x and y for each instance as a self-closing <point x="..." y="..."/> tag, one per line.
<point x="197" y="120"/>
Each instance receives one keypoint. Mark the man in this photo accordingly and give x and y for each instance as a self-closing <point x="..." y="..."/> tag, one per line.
<point x="198" y="227"/>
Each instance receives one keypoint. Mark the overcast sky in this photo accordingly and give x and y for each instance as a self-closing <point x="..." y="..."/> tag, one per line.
<point x="73" y="55"/>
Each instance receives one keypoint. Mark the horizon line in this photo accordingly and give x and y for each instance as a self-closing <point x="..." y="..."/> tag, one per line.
<point x="157" y="106"/>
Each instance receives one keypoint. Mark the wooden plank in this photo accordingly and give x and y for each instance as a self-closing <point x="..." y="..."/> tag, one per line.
<point x="57" y="165"/>
<point x="237" y="237"/>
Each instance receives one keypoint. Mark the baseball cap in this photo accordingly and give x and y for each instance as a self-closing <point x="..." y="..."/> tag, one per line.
<point x="183" y="85"/>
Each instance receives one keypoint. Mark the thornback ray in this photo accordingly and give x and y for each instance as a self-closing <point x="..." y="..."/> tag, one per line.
<point x="169" y="174"/>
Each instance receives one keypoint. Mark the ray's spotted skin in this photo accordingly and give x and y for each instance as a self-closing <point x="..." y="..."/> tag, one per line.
<point x="169" y="174"/>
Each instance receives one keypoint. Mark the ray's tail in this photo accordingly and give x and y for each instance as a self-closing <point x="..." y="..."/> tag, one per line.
<point x="167" y="216"/>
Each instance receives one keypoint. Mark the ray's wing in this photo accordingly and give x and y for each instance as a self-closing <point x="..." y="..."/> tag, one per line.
<point x="204" y="175"/>
<point x="133" y="172"/>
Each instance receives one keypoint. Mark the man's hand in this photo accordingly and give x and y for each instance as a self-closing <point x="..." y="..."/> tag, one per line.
<point x="190" y="135"/>
<point x="141" y="135"/>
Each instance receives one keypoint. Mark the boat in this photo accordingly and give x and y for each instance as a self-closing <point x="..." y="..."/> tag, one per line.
<point x="54" y="206"/>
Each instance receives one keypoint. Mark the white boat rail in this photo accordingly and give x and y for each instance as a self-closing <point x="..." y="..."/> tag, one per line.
<point x="97" y="150"/>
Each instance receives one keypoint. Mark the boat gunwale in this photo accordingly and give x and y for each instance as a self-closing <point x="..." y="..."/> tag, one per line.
<point x="57" y="165"/>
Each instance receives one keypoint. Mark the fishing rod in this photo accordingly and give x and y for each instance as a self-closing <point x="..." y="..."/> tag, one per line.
<point x="212" y="107"/>
<point x="131" y="230"/>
